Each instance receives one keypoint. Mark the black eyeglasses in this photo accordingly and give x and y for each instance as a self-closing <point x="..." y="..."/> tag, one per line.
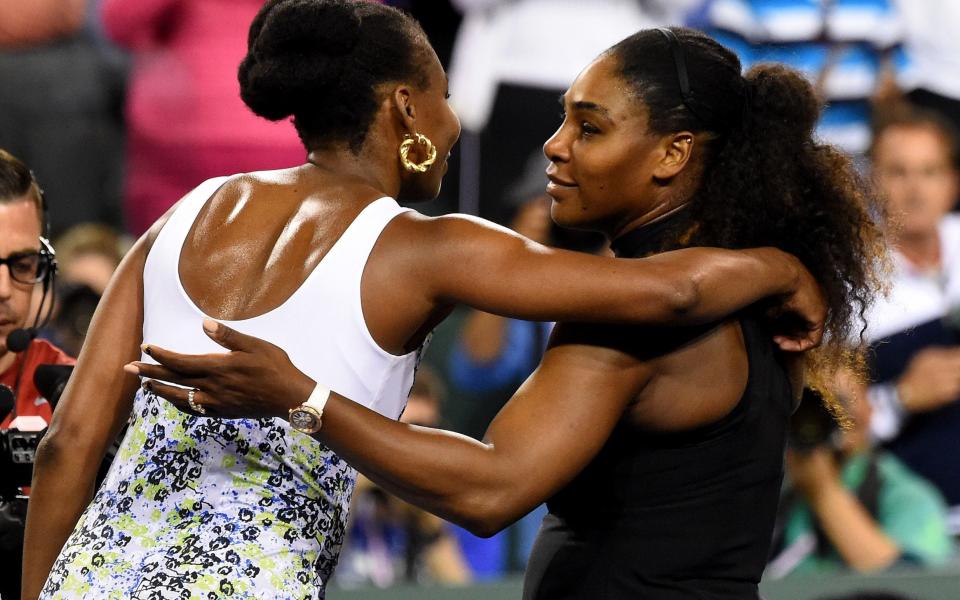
<point x="27" y="267"/>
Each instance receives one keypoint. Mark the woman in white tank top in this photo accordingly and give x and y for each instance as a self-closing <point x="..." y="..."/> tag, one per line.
<point x="319" y="260"/>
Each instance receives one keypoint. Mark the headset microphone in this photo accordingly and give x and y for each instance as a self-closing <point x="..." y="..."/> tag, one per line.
<point x="19" y="340"/>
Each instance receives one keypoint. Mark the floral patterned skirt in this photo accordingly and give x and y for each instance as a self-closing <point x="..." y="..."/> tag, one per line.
<point x="206" y="508"/>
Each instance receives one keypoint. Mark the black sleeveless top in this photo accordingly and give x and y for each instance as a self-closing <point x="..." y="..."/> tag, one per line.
<point x="670" y="516"/>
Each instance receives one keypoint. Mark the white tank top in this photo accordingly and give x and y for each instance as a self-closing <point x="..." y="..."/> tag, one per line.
<point x="321" y="325"/>
<point x="246" y="506"/>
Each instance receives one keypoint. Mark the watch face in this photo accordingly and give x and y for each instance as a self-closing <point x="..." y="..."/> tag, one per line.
<point x="303" y="420"/>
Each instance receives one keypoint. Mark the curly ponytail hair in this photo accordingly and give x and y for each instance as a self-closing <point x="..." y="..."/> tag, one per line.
<point x="766" y="181"/>
<point x="321" y="61"/>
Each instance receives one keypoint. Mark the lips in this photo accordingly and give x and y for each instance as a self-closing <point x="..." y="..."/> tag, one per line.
<point x="558" y="188"/>
<point x="560" y="182"/>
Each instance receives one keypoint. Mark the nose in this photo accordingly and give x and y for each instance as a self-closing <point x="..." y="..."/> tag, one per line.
<point x="555" y="148"/>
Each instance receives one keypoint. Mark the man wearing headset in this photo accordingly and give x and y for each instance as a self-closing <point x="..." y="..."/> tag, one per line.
<point x="26" y="272"/>
<point x="26" y="277"/>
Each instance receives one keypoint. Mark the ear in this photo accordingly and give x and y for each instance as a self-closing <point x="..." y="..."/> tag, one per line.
<point x="676" y="150"/>
<point x="404" y="108"/>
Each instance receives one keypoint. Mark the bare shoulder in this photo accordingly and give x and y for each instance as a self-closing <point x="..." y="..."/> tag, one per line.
<point x="453" y="240"/>
<point x="449" y="226"/>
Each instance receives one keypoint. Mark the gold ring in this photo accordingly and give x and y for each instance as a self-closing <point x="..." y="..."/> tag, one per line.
<point x="197" y="408"/>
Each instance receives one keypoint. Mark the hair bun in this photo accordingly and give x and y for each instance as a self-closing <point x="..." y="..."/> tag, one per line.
<point x="782" y="102"/>
<point x="295" y="50"/>
<point x="291" y="27"/>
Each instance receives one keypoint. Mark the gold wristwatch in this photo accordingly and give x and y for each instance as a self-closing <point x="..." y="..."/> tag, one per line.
<point x="308" y="417"/>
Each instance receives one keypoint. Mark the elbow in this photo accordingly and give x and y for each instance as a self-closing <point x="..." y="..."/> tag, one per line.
<point x="485" y="514"/>
<point x="48" y="463"/>
<point x="485" y="530"/>
<point x="485" y="526"/>
<point x="59" y="443"/>
<point x="50" y="451"/>
<point x="684" y="296"/>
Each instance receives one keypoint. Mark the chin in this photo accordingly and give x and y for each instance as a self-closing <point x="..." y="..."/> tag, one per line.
<point x="562" y="218"/>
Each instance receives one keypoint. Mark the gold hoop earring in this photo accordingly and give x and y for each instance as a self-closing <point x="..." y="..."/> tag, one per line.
<point x="407" y="144"/>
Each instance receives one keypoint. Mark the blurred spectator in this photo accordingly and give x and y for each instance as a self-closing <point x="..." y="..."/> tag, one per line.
<point x="510" y="62"/>
<point x="88" y="254"/>
<point x="849" y="507"/>
<point x="847" y="48"/>
<point x="39" y="21"/>
<point x="59" y="106"/>
<point x="76" y="304"/>
<point x="390" y="541"/>
<point x="185" y="120"/>
<point x="931" y="74"/>
<point x="915" y="346"/>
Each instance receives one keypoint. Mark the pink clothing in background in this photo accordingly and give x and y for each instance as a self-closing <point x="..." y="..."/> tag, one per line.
<point x="186" y="122"/>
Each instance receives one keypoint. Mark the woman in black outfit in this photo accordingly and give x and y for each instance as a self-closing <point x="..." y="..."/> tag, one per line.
<point x="658" y="451"/>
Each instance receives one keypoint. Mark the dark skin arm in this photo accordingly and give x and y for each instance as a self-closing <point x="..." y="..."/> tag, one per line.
<point x="92" y="411"/>
<point x="466" y="261"/>
<point x="94" y="406"/>
<point x="483" y="486"/>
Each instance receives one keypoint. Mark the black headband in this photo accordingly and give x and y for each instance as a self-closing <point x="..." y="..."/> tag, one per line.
<point x="680" y="62"/>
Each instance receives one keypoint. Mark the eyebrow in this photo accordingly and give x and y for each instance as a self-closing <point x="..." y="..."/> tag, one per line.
<point x="585" y="105"/>
<point x="24" y="252"/>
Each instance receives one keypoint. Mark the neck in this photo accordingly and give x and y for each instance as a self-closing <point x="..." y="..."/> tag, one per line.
<point x="659" y="211"/>
<point x="365" y="169"/>
<point x="922" y="250"/>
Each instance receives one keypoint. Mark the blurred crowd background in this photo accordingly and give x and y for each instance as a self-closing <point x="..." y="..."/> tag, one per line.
<point x="122" y="106"/>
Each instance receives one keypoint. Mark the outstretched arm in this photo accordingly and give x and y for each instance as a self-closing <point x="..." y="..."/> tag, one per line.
<point x="90" y="414"/>
<point x="483" y="486"/>
<point x="459" y="259"/>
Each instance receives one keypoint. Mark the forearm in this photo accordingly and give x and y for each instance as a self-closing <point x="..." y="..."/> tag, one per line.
<point x="62" y="488"/>
<point x="684" y="287"/>
<point x="453" y="476"/>
<point x="483" y="486"/>
<point x="466" y="261"/>
<point x="854" y="533"/>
